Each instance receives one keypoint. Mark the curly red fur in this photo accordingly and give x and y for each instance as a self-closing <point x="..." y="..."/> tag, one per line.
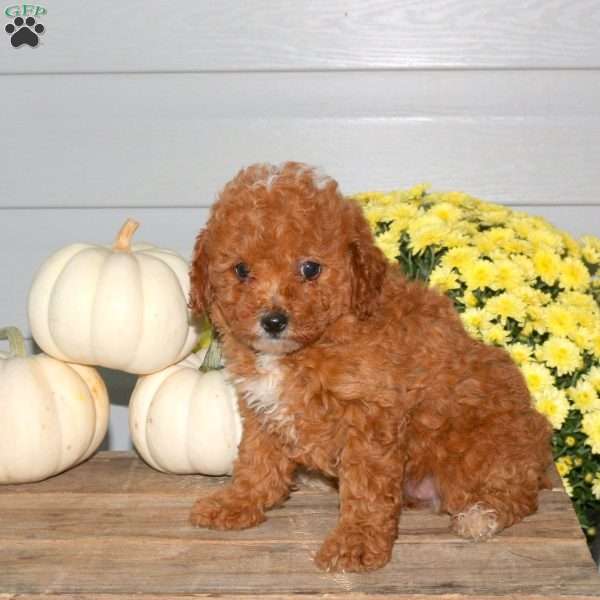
<point x="374" y="380"/>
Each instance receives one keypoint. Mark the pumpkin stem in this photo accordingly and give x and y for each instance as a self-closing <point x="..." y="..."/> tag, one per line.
<point x="123" y="241"/>
<point x="16" y="343"/>
<point x="212" y="359"/>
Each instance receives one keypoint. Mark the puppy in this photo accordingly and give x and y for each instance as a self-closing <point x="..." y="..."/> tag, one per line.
<point x="344" y="367"/>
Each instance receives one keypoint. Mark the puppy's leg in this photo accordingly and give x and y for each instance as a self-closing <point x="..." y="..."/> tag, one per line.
<point x="370" y="481"/>
<point x="500" y="499"/>
<point x="495" y="485"/>
<point x="262" y="477"/>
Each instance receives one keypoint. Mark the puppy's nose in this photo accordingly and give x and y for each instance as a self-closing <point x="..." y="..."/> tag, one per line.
<point x="274" y="322"/>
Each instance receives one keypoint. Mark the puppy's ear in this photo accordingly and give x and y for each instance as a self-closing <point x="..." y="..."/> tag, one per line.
<point x="200" y="295"/>
<point x="368" y="266"/>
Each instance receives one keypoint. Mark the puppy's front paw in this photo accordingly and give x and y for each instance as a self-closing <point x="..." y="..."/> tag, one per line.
<point x="219" y="512"/>
<point x="354" y="550"/>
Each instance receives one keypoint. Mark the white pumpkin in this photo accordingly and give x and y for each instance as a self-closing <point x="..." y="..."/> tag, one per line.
<point x="53" y="415"/>
<point x="122" y="307"/>
<point x="182" y="420"/>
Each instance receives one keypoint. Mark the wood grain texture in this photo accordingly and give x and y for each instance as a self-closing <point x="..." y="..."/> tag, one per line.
<point x="113" y="527"/>
<point x="142" y="35"/>
<point x="174" y="140"/>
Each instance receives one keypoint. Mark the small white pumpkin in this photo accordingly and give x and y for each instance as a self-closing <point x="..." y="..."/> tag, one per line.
<point x="53" y="415"/>
<point x="183" y="420"/>
<point x="122" y="307"/>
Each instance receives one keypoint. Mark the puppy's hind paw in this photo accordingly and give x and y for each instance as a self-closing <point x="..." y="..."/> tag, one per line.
<point x="478" y="522"/>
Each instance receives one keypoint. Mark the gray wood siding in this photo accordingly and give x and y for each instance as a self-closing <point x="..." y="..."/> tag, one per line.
<point x="145" y="109"/>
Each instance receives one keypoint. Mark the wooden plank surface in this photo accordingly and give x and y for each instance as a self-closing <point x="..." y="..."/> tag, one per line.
<point x="114" y="528"/>
<point x="150" y="35"/>
<point x="175" y="140"/>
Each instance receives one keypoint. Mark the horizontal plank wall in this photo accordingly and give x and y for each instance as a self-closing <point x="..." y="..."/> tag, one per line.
<point x="263" y="35"/>
<point x="146" y="108"/>
<point x="174" y="139"/>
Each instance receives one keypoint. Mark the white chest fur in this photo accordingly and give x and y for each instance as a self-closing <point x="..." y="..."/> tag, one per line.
<point x="263" y="391"/>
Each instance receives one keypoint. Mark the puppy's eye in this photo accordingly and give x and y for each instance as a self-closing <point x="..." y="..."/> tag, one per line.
<point x="310" y="270"/>
<point x="242" y="270"/>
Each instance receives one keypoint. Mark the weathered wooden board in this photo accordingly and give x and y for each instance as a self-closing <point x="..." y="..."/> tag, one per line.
<point x="154" y="36"/>
<point x="114" y="528"/>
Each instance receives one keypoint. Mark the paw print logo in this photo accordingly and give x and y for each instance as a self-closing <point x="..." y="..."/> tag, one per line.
<point x="24" y="32"/>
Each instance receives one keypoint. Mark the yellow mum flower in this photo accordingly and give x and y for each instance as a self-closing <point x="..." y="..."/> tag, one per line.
<point x="388" y="243"/>
<point x="479" y="274"/>
<point x="518" y="247"/>
<point x="459" y="258"/>
<point x="494" y="334"/>
<point x="426" y="231"/>
<point x="386" y="199"/>
<point x="562" y="354"/>
<point x="537" y="377"/>
<point x="374" y="215"/>
<point x="559" y="320"/>
<point x="467" y="229"/>
<point x="520" y="353"/>
<point x="458" y="198"/>
<point x="547" y="265"/>
<point x="582" y="337"/>
<point x="596" y="486"/>
<point x="532" y="297"/>
<point x="484" y="244"/>
<point x="564" y="465"/>
<point x="526" y="266"/>
<point x="507" y="305"/>
<point x="400" y="212"/>
<point x="573" y="274"/>
<point x="584" y="397"/>
<point x="568" y="487"/>
<point x="449" y="213"/>
<point x="508" y="275"/>
<point x="570" y="245"/>
<point x="367" y="197"/>
<point x="543" y="237"/>
<point x="536" y="321"/>
<point x="470" y="299"/>
<point x="593" y="376"/>
<point x="591" y="249"/>
<point x="493" y="213"/>
<point x="595" y="345"/>
<point x="455" y="239"/>
<point x="522" y="224"/>
<point x="501" y="236"/>
<point x="418" y="191"/>
<point x="474" y="320"/>
<point x="444" y="279"/>
<point x="590" y="425"/>
<point x="579" y="300"/>
<point x="585" y="318"/>
<point x="554" y="405"/>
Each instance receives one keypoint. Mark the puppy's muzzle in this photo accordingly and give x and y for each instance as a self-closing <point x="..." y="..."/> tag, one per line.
<point x="274" y="322"/>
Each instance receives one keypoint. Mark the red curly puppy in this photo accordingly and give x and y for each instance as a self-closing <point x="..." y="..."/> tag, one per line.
<point x="345" y="367"/>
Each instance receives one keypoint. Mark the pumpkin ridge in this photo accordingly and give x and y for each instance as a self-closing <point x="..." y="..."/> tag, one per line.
<point x="168" y="373"/>
<point x="172" y="263"/>
<point x="58" y="282"/>
<point x="140" y="314"/>
<point x="101" y="346"/>
<point x="40" y="371"/>
<point x="42" y="330"/>
<point x="190" y="423"/>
